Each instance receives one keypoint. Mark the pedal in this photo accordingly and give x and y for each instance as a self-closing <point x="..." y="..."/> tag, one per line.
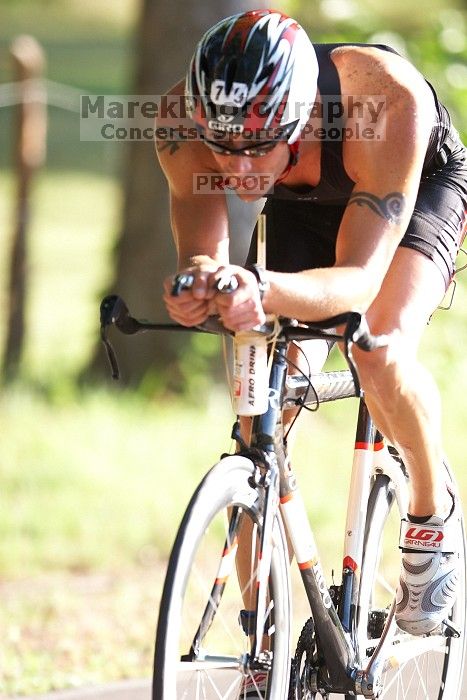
<point x="450" y="630"/>
<point x="335" y="593"/>
<point x="376" y="621"/>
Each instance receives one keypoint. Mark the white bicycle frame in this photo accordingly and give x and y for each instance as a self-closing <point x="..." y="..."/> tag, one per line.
<point x="371" y="457"/>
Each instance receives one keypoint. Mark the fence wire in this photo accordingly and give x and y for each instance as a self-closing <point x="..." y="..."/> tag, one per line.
<point x="41" y="90"/>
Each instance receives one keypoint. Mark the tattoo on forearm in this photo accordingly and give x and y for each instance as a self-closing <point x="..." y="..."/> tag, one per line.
<point x="391" y="207"/>
<point x="173" y="145"/>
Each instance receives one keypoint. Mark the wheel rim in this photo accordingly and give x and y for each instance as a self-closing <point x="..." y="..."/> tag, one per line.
<point x="225" y="637"/>
<point x="191" y="594"/>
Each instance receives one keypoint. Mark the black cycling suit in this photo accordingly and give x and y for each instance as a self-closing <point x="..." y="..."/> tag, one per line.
<point x="302" y="224"/>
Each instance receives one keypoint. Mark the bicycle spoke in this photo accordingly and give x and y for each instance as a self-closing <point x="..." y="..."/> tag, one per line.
<point x="214" y="687"/>
<point x="206" y="590"/>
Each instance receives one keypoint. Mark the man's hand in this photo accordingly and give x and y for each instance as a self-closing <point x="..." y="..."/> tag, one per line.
<point x="242" y="309"/>
<point x="192" y="306"/>
<point x="239" y="310"/>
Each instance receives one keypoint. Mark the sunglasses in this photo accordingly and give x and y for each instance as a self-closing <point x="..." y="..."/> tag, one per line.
<point x="255" y="151"/>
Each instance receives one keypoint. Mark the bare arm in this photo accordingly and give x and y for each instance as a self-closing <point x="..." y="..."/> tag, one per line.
<point x="199" y="221"/>
<point x="200" y="229"/>
<point x="387" y="175"/>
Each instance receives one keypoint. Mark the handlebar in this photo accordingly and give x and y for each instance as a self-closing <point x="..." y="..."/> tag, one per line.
<point x="114" y="311"/>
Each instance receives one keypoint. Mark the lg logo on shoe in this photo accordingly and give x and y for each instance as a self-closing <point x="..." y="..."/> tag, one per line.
<point x="424" y="537"/>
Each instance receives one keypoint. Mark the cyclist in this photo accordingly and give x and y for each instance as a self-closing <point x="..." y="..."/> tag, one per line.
<point x="367" y="218"/>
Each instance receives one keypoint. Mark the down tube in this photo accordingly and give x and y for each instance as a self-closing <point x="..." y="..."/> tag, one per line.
<point x="335" y="646"/>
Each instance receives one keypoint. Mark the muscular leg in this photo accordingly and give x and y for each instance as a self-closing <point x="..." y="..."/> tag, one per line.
<point x="400" y="392"/>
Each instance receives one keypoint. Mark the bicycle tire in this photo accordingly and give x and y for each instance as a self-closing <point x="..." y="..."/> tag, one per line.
<point x="224" y="491"/>
<point x="435" y="674"/>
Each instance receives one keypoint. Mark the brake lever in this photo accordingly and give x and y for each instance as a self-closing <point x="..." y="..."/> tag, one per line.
<point x="109" y="310"/>
<point x="361" y="335"/>
<point x="113" y="310"/>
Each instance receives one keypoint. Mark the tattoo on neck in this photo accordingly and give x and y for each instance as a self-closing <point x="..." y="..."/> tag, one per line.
<point x="173" y="145"/>
<point x="391" y="207"/>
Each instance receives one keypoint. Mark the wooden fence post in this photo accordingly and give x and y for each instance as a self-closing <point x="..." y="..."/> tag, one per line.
<point x="30" y="146"/>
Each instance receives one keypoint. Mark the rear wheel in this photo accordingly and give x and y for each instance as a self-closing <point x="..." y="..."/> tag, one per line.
<point x="202" y="651"/>
<point x="429" y="667"/>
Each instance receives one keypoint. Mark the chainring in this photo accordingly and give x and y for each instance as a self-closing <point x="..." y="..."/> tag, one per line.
<point x="304" y="665"/>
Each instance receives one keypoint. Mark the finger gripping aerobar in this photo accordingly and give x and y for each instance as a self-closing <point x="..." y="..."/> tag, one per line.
<point x="185" y="280"/>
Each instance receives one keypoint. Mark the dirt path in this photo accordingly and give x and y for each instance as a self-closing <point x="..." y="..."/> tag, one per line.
<point x="70" y="630"/>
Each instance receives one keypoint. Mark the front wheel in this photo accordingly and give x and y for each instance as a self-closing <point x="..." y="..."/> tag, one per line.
<point x="202" y="650"/>
<point x="417" y="667"/>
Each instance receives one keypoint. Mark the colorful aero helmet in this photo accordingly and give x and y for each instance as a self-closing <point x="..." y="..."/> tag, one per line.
<point x="254" y="74"/>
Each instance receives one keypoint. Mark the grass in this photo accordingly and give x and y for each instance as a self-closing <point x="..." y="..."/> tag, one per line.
<point x="63" y="631"/>
<point x="101" y="463"/>
<point x="92" y="487"/>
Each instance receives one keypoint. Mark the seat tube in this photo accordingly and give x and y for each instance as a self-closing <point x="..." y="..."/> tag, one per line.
<point x="362" y="468"/>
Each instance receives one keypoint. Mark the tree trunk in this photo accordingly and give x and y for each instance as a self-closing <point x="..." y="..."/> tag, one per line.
<point x="145" y="253"/>
<point x="30" y="145"/>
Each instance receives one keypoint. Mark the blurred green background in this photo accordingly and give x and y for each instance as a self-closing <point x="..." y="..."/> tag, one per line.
<point x="94" y="477"/>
